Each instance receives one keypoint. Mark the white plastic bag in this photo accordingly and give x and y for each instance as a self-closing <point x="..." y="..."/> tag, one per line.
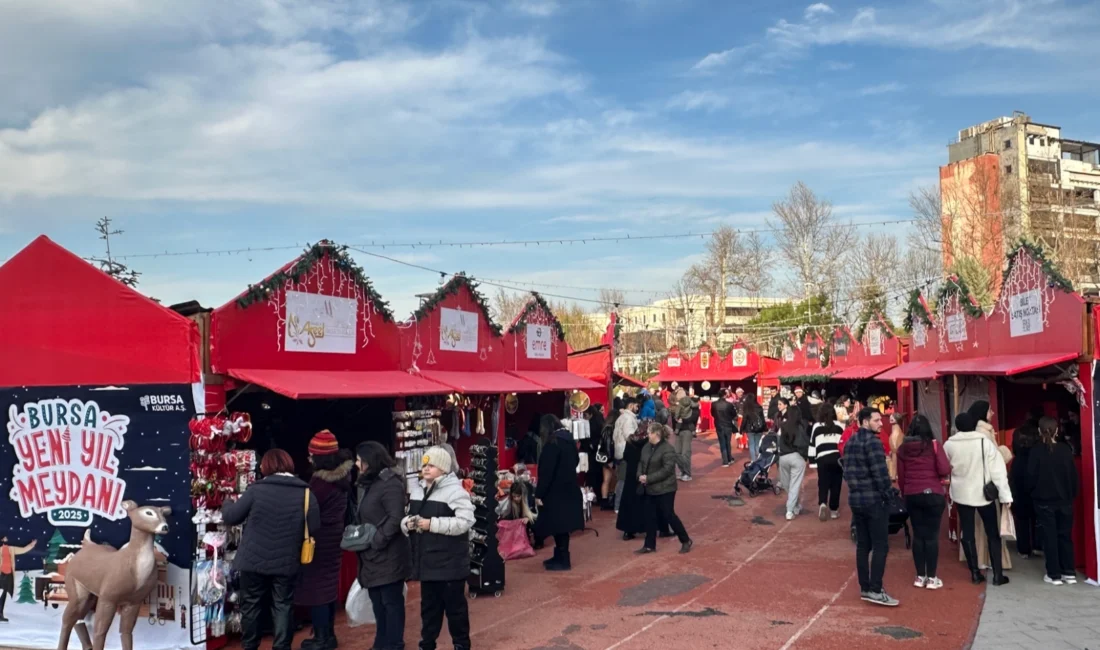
<point x="358" y="606"/>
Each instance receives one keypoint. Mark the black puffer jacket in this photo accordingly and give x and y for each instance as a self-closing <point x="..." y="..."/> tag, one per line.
<point x="382" y="503"/>
<point x="273" y="513"/>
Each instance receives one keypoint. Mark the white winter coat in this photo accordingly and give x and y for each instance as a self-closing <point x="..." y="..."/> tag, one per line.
<point x="968" y="452"/>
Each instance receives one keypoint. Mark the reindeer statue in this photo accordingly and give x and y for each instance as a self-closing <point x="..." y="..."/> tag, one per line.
<point x="110" y="581"/>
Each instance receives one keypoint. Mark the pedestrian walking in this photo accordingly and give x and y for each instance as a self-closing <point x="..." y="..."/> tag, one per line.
<point x="1054" y="484"/>
<point x="686" y="416"/>
<point x="557" y="494"/>
<point x="922" y="470"/>
<point x="1024" y="439"/>
<point x="625" y="426"/>
<point x="825" y="451"/>
<point x="657" y="480"/>
<point x="387" y="563"/>
<point x="725" y="424"/>
<point x="794" y="449"/>
<point x="978" y="481"/>
<point x="319" y="583"/>
<point x="753" y="424"/>
<point x="438" y="525"/>
<point x="868" y="481"/>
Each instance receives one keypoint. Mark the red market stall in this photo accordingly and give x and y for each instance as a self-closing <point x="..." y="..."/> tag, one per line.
<point x="855" y="360"/>
<point x="89" y="363"/>
<point x="919" y="389"/>
<point x="598" y="365"/>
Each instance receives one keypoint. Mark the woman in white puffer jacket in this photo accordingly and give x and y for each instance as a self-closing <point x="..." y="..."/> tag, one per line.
<point x="976" y="461"/>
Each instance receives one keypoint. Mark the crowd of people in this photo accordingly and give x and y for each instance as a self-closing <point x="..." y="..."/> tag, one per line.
<point x="641" y="453"/>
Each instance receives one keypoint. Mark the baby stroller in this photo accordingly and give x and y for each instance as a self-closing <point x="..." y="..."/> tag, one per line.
<point x="899" y="518"/>
<point x="755" y="477"/>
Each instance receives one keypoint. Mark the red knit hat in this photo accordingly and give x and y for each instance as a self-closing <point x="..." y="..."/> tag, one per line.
<point x="324" y="444"/>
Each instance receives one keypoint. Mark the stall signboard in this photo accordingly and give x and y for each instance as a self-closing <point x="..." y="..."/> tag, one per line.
<point x="539" y="341"/>
<point x="874" y="341"/>
<point x="319" y="323"/>
<point x="956" y="327"/>
<point x="920" y="333"/>
<point x="1025" y="313"/>
<point x="74" y="455"/>
<point x="674" y="362"/>
<point x="739" y="357"/>
<point x="458" y="330"/>
<point x="704" y="359"/>
<point x="813" y="350"/>
<point x="788" y="354"/>
<point x="840" y="346"/>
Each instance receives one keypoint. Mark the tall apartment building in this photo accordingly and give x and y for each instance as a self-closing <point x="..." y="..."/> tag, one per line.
<point x="1012" y="177"/>
<point x="649" y="331"/>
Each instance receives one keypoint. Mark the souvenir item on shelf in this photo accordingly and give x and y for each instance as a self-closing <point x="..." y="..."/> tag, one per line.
<point x="415" y="432"/>
<point x="486" y="565"/>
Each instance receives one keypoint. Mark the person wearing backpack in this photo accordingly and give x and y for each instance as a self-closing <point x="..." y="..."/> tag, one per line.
<point x="754" y="424"/>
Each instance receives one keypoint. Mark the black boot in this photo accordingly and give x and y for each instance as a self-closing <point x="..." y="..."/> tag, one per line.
<point x="553" y="560"/>
<point x="970" y="550"/>
<point x="999" y="577"/>
<point x="563" y="563"/>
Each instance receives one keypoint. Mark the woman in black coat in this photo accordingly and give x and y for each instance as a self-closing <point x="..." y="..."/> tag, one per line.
<point x="387" y="564"/>
<point x="319" y="583"/>
<point x="1024" y="439"/>
<point x="557" y="494"/>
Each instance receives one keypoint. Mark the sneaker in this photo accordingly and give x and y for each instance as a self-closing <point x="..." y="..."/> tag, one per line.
<point x="686" y="547"/>
<point x="920" y="582"/>
<point x="1069" y="580"/>
<point x="645" y="550"/>
<point x="933" y="584"/>
<point x="687" y="479"/>
<point x="798" y="510"/>
<point x="835" y="514"/>
<point x="726" y="464"/>
<point x="881" y="598"/>
<point x="1052" y="581"/>
<point x="823" y="512"/>
<point x="790" y="516"/>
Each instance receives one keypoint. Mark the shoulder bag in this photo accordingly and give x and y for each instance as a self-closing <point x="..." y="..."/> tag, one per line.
<point x="357" y="537"/>
<point x="308" y="543"/>
<point x="989" y="488"/>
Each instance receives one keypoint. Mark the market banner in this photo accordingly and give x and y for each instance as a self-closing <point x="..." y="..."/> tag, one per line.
<point x="74" y="455"/>
<point x="458" y="330"/>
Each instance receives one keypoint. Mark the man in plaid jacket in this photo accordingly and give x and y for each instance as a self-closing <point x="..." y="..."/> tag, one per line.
<point x="868" y="479"/>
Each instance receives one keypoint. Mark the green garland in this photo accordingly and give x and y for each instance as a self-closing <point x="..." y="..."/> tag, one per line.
<point x="301" y="268"/>
<point x="533" y="305"/>
<point x="915" y="308"/>
<point x="452" y="288"/>
<point x="1054" y="277"/>
<point x="805" y="379"/>
<point x="956" y="286"/>
<point x="864" y="321"/>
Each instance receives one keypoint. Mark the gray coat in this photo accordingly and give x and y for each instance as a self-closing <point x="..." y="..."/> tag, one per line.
<point x="382" y="503"/>
<point x="273" y="513"/>
<point x="658" y="465"/>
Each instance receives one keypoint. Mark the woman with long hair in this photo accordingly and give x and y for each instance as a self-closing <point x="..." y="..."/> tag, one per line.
<point x="825" y="451"/>
<point x="657" y="481"/>
<point x="754" y="424"/>
<point x="606" y="449"/>
<point x="1054" y="485"/>
<point x="319" y="583"/>
<point x="594" y="478"/>
<point x="275" y="511"/>
<point x="983" y="418"/>
<point x="794" y="449"/>
<point x="557" y="494"/>
<point x="1024" y="439"/>
<point x="975" y="462"/>
<point x="922" y="469"/>
<point x="387" y="564"/>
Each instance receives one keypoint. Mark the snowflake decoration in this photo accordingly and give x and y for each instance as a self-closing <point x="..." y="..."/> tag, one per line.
<point x="1026" y="275"/>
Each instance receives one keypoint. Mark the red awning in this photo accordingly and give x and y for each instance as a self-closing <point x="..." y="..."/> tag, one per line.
<point x="481" y="383"/>
<point x="621" y="378"/>
<point x="1003" y="364"/>
<point x="863" y="372"/>
<point x="555" y="379"/>
<point x="910" y="371"/>
<point x="331" y="384"/>
<point x="738" y="374"/>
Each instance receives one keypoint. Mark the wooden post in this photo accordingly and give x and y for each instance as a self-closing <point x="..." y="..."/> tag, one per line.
<point x="954" y="395"/>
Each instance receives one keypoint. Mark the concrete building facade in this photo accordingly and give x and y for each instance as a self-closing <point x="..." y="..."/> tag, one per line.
<point x="1012" y="177"/>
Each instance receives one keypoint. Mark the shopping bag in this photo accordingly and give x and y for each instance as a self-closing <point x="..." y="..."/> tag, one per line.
<point x="512" y="542"/>
<point x="1008" y="524"/>
<point x="358" y="606"/>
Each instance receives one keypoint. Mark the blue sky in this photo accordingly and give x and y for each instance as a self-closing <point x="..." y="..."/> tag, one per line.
<point x="271" y="123"/>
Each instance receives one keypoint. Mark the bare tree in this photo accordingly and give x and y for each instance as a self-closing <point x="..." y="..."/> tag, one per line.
<point x="109" y="264"/>
<point x="688" y="329"/>
<point x="719" y="270"/>
<point x="873" y="274"/>
<point x="610" y="299"/>
<point x="507" y="304"/>
<point x="811" y="241"/>
<point x="927" y="232"/>
<point x="756" y="262"/>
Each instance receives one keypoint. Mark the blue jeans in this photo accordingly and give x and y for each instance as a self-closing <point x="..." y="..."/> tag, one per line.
<point x="754" y="445"/>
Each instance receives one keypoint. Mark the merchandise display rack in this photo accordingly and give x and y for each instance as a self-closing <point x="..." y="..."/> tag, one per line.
<point x="486" y="565"/>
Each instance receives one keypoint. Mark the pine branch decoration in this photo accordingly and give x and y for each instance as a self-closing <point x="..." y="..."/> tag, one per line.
<point x="956" y="286"/>
<point x="915" y="309"/>
<point x="1054" y="276"/>
<point x="451" y="288"/>
<point x="537" y="302"/>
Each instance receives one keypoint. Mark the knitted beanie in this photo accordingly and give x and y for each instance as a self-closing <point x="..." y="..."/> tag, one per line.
<point x="324" y="444"/>
<point x="437" y="457"/>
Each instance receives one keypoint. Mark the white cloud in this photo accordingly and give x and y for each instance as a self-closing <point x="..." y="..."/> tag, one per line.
<point x="706" y="100"/>
<point x="537" y="8"/>
<point x="817" y="9"/>
<point x="882" y="89"/>
<point x="716" y="60"/>
<point x="837" y="66"/>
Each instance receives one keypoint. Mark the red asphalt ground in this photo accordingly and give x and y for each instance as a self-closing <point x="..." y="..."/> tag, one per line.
<point x="753" y="580"/>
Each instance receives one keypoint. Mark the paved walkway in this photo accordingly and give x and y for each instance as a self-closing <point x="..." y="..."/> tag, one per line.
<point x="1029" y="613"/>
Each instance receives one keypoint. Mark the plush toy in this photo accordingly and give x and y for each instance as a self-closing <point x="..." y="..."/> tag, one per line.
<point x="109" y="581"/>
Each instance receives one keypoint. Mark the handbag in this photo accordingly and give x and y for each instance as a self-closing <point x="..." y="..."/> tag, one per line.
<point x="1008" y="524"/>
<point x="308" y="543"/>
<point x="989" y="489"/>
<point x="512" y="541"/>
<point x="358" y="537"/>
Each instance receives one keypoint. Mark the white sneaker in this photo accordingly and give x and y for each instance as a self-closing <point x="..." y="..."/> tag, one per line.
<point x="920" y="582"/>
<point x="835" y="514"/>
<point x="1052" y="581"/>
<point x="1069" y="580"/>
<point x="881" y="598"/>
<point x="933" y="584"/>
<point x="823" y="512"/>
<point x="790" y="516"/>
